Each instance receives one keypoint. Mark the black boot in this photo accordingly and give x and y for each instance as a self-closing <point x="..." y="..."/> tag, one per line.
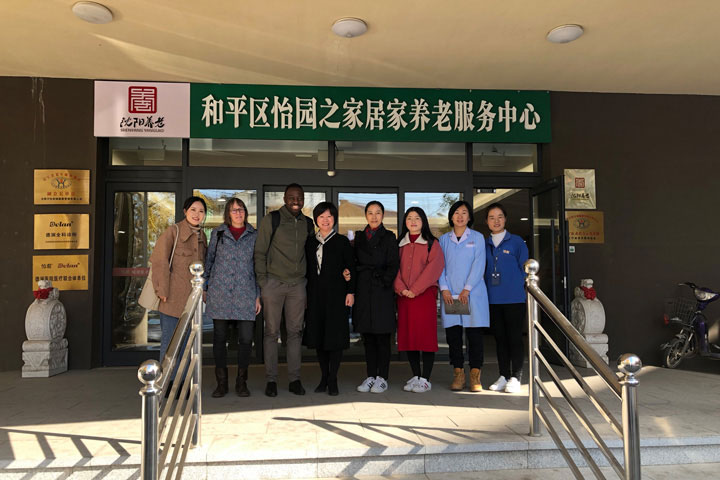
<point x="241" y="383"/>
<point x="221" y="375"/>
<point x="322" y="386"/>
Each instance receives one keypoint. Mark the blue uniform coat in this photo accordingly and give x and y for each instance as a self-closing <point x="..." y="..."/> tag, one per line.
<point x="511" y="254"/>
<point x="230" y="276"/>
<point x="464" y="269"/>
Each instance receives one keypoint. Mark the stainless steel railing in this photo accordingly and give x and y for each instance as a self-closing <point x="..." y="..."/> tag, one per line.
<point x="624" y="388"/>
<point x="174" y="426"/>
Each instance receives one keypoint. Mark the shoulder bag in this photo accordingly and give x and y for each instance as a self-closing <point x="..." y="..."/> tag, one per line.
<point x="148" y="298"/>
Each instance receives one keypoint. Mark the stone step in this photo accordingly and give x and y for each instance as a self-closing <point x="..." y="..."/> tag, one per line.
<point x="525" y="457"/>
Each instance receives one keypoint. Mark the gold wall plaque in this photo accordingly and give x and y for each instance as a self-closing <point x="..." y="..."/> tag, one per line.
<point x="586" y="226"/>
<point x="62" y="231"/>
<point x="67" y="272"/>
<point x="66" y="187"/>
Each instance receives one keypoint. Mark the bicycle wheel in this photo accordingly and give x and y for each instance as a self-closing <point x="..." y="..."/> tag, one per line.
<point x="673" y="353"/>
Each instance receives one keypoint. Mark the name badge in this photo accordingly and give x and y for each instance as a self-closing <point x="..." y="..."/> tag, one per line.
<point x="506" y="251"/>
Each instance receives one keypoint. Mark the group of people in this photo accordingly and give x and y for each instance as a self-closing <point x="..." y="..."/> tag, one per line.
<point x="304" y="271"/>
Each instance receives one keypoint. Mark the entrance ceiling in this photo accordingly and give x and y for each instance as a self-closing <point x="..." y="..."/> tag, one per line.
<point x="641" y="46"/>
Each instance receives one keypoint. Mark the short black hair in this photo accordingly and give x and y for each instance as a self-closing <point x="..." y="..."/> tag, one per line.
<point x="322" y="207"/>
<point x="375" y="202"/>
<point x="458" y="204"/>
<point x="190" y="200"/>
<point x="294" y="185"/>
<point x="493" y="206"/>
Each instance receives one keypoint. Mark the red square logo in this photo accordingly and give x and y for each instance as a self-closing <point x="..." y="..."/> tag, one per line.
<point x="142" y="99"/>
<point x="579" y="183"/>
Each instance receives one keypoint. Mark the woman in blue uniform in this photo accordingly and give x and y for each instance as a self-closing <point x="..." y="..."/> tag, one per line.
<point x="505" y="278"/>
<point x="462" y="282"/>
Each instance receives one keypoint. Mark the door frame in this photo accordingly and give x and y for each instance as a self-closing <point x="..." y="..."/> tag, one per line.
<point x="130" y="357"/>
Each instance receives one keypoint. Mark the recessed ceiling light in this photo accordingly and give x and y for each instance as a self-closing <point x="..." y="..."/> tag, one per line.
<point x="92" y="12"/>
<point x="349" y="27"/>
<point x="565" y="33"/>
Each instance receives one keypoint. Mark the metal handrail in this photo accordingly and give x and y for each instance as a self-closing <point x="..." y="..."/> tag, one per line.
<point x="183" y="400"/>
<point x="625" y="389"/>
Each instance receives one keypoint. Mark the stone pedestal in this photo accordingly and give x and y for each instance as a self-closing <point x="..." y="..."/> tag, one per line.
<point x="588" y="317"/>
<point x="45" y="351"/>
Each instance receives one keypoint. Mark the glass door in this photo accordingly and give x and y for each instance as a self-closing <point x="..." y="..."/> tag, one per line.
<point x="139" y="216"/>
<point x="550" y="248"/>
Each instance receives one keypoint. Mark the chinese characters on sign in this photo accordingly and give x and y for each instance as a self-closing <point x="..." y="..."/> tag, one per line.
<point x="142" y="109"/>
<point x="586" y="227"/>
<point x="62" y="231"/>
<point x="580" y="188"/>
<point x="142" y="99"/>
<point x="67" y="272"/>
<point x="67" y="187"/>
<point x="372" y="114"/>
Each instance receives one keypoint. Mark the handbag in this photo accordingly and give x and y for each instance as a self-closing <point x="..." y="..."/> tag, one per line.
<point x="148" y="298"/>
<point x="457" y="308"/>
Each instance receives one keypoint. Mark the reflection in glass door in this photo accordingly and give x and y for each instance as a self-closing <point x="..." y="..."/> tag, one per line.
<point x="139" y="219"/>
<point x="351" y="210"/>
<point x="436" y="206"/>
<point x="550" y="248"/>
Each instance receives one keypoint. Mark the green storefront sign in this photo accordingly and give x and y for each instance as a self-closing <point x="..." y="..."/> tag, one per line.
<point x="368" y="114"/>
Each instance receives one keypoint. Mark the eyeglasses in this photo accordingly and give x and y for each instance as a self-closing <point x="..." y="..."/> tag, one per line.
<point x="236" y="210"/>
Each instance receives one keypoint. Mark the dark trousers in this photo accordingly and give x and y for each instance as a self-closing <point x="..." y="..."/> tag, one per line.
<point x="506" y="321"/>
<point x="329" y="361"/>
<point x="377" y="354"/>
<point x="245" y="330"/>
<point x="428" y="360"/>
<point x="454" y="336"/>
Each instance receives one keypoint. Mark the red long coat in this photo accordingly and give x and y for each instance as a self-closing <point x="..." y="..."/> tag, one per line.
<point x="419" y="273"/>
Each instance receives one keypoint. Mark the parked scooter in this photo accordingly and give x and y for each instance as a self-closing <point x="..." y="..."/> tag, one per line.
<point x="697" y="335"/>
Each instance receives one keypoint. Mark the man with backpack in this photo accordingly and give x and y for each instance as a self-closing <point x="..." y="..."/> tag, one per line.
<point x="280" y="268"/>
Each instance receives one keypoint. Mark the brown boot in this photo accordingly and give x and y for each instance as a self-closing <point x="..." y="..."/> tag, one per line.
<point x="221" y="375"/>
<point x="458" y="382"/>
<point x="475" y="385"/>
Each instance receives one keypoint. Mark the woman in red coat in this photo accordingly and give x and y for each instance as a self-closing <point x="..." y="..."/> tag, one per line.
<point x="421" y="263"/>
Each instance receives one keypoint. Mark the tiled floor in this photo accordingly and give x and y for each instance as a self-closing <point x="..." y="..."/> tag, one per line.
<point x="91" y="418"/>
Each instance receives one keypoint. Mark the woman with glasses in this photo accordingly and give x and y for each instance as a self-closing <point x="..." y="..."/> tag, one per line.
<point x="233" y="295"/>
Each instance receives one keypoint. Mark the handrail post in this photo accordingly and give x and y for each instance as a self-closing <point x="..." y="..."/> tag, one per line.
<point x="630" y="364"/>
<point x="533" y="314"/>
<point x="197" y="283"/>
<point x="149" y="373"/>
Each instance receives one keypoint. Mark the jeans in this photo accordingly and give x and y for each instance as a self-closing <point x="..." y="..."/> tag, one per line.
<point x="245" y="336"/>
<point x="167" y="329"/>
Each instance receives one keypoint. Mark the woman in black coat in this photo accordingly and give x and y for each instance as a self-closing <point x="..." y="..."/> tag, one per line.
<point x="328" y="294"/>
<point x="376" y="254"/>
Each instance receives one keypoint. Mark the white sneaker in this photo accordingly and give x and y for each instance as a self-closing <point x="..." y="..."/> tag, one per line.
<point x="422" y="386"/>
<point x="513" y="385"/>
<point x="366" y="385"/>
<point x="410" y="384"/>
<point x="379" y="386"/>
<point x="499" y="384"/>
